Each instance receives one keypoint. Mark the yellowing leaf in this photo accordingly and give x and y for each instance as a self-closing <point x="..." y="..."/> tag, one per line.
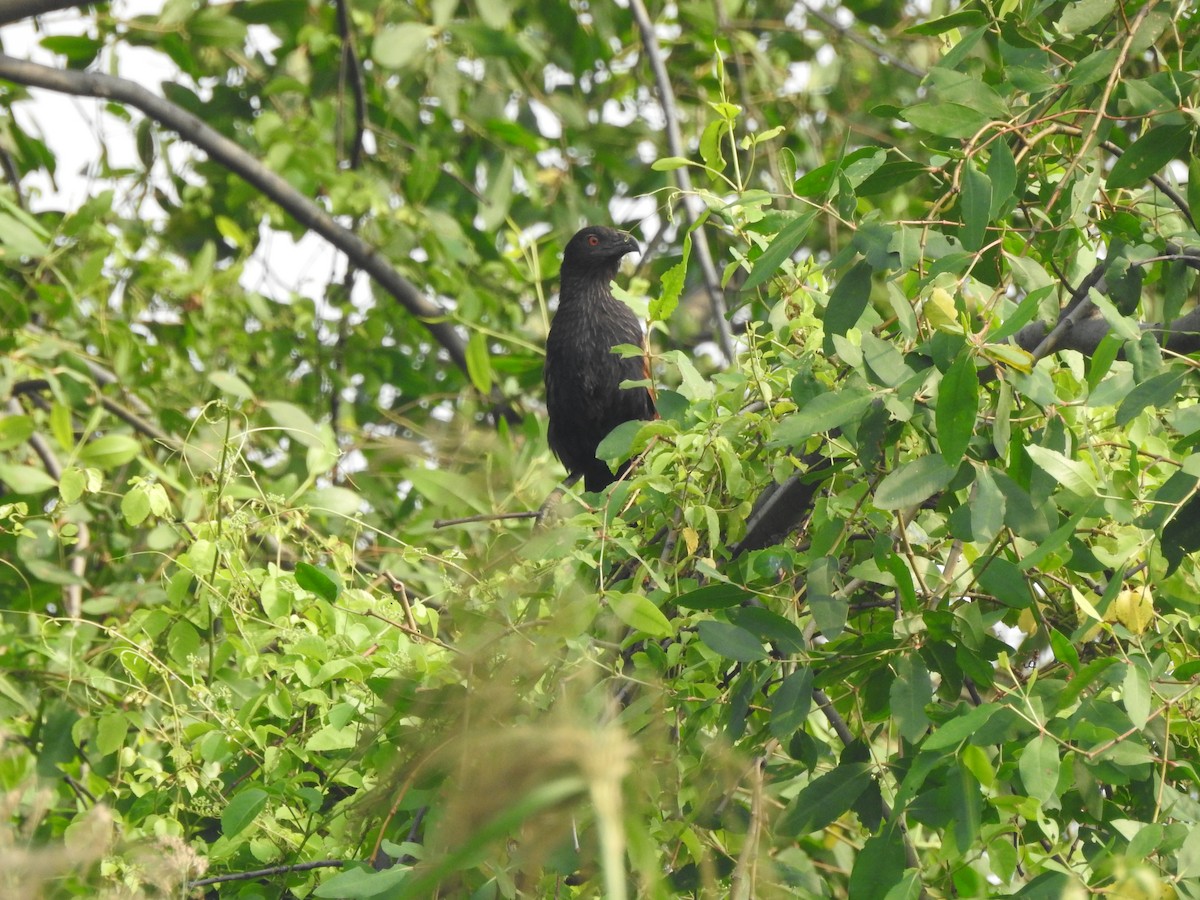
<point x="639" y="612"/>
<point x="1134" y="608"/>
<point x="939" y="311"/>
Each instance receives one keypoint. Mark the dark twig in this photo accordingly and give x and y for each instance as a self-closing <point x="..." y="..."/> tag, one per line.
<point x="485" y="517"/>
<point x="16" y="10"/>
<point x="353" y="71"/>
<point x="885" y="56"/>
<point x="683" y="180"/>
<point x="137" y="422"/>
<point x="9" y="166"/>
<point x="273" y="870"/>
<point x="1161" y="183"/>
<point x="227" y="153"/>
<point x="838" y="724"/>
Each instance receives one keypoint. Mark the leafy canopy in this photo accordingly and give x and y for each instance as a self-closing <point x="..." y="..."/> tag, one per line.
<point x="900" y="602"/>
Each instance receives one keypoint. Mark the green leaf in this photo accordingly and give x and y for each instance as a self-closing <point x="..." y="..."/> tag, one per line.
<point x="914" y="482"/>
<point x="1149" y="154"/>
<point x="879" y="868"/>
<point x="618" y="443"/>
<point x="479" y="364"/>
<point x="1158" y="391"/>
<point x="1039" y="767"/>
<point x="296" y="423"/>
<point x="362" y="884"/>
<point x="135" y="506"/>
<point x="109" y="451"/>
<point x="111" y="729"/>
<point x="662" y="306"/>
<point x="780" y="249"/>
<point x="1082" y="15"/>
<point x="952" y="120"/>
<point x="817" y="182"/>
<point x="1004" y="580"/>
<point x="14" y="431"/>
<point x="766" y="625"/>
<point x="319" y="581"/>
<point x="976" y="206"/>
<point x="25" y="479"/>
<point x="1072" y="474"/>
<point x="957" y="407"/>
<point x="791" y="703"/>
<point x="183" y="641"/>
<point x="848" y="299"/>
<point x="668" y="163"/>
<point x="824" y="800"/>
<point x="710" y="144"/>
<point x="1002" y="173"/>
<point x="823" y="413"/>
<point x="890" y="176"/>
<point x="713" y="596"/>
<point x="17" y="240"/>
<point x="639" y="612"/>
<point x="959" y="729"/>
<point x="229" y="383"/>
<point x="1093" y="68"/>
<point x="1025" y="311"/>
<point x="987" y="507"/>
<point x="242" y="811"/>
<point x="1181" y="535"/>
<point x="910" y="693"/>
<point x="400" y="46"/>
<point x="960" y="19"/>
<point x="828" y="610"/>
<point x="1136" y="694"/>
<point x="71" y="485"/>
<point x="731" y="642"/>
<point x="1188" y="856"/>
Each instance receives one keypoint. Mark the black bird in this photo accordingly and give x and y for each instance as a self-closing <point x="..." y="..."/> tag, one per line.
<point x="583" y="376"/>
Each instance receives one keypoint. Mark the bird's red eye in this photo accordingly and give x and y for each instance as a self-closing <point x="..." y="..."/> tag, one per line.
<point x="593" y="240"/>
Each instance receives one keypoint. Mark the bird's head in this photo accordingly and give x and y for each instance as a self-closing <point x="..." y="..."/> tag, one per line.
<point x="597" y="248"/>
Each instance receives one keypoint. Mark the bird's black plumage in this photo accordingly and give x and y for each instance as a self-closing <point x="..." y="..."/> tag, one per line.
<point x="583" y="376"/>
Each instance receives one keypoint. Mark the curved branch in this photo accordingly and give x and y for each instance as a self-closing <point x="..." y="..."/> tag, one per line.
<point x="1085" y="334"/>
<point x="224" y="151"/>
<point x="666" y="96"/>
<point x="16" y="10"/>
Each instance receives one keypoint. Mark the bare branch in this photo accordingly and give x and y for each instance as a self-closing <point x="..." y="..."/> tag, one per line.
<point x="352" y="70"/>
<point x="16" y="10"/>
<point x="1085" y="334"/>
<point x="224" y="151"/>
<point x="683" y="180"/>
<point x="485" y="517"/>
<point x="885" y="56"/>
<point x="273" y="870"/>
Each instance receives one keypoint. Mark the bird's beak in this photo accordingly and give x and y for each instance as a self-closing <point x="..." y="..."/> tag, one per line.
<point x="630" y="245"/>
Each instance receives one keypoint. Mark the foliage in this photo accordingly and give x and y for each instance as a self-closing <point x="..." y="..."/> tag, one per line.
<point x="278" y="658"/>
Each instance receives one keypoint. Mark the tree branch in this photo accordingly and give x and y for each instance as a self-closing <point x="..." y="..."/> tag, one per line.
<point x="683" y="180"/>
<point x="16" y="10"/>
<point x="224" y="151"/>
<point x="1085" y="334"/>
<point x="885" y="56"/>
<point x="352" y="71"/>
